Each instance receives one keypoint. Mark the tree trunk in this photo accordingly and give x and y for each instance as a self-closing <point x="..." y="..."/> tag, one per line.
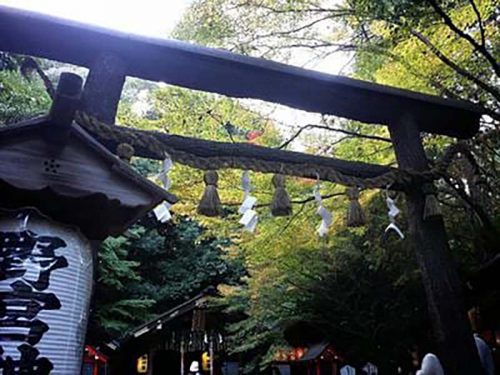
<point x="451" y="328"/>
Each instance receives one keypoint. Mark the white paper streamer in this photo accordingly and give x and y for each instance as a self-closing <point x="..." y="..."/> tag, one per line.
<point x="392" y="213"/>
<point x="326" y="216"/>
<point x="370" y="369"/>
<point x="163" y="175"/>
<point x="248" y="203"/>
<point x="245" y="183"/>
<point x="430" y="366"/>
<point x="162" y="211"/>
<point x="249" y="217"/>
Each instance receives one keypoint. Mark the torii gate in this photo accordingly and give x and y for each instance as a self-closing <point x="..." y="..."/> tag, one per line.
<point x="111" y="56"/>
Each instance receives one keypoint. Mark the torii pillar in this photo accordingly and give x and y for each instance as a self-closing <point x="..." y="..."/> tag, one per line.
<point x="442" y="285"/>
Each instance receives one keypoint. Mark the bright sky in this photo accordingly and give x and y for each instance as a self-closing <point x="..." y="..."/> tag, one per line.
<point x="146" y="17"/>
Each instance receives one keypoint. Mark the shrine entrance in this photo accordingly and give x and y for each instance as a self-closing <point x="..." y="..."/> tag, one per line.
<point x="111" y="56"/>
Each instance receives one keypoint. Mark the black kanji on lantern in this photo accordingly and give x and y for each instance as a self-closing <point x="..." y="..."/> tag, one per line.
<point x="26" y="259"/>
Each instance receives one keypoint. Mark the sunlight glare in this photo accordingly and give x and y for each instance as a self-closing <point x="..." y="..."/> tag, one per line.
<point x="146" y="17"/>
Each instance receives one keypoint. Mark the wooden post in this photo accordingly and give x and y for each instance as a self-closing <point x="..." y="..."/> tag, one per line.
<point x="211" y="354"/>
<point x="151" y="355"/>
<point x="451" y="328"/>
<point x="182" y="356"/>
<point x="62" y="112"/>
<point x="66" y="100"/>
<point x="103" y="88"/>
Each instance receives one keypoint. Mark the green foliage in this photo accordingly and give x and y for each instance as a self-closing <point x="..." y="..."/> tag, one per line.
<point x="206" y="23"/>
<point x="116" y="309"/>
<point x="351" y="288"/>
<point x="183" y="262"/>
<point x="115" y="270"/>
<point x="254" y="27"/>
<point x="7" y="61"/>
<point x="152" y="268"/>
<point x="21" y="98"/>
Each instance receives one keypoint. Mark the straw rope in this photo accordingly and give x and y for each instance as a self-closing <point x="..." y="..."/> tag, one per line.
<point x="148" y="141"/>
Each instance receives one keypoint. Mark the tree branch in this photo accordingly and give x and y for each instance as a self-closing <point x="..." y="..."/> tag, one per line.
<point x="302" y="201"/>
<point x="340" y="11"/>
<point x="30" y="63"/>
<point x="316" y="44"/>
<point x="478" y="210"/>
<point x="441" y="56"/>
<point x="325" y="127"/>
<point x="481" y="49"/>
<point x="480" y="22"/>
<point x="289" y="222"/>
<point x="341" y="47"/>
<point x="297" y="29"/>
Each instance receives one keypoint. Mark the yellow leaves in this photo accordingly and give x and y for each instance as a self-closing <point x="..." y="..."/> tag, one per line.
<point x="227" y="290"/>
<point x="418" y="68"/>
<point x="380" y="28"/>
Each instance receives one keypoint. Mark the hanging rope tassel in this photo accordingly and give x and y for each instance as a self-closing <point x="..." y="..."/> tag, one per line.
<point x="281" y="204"/>
<point x="432" y="208"/>
<point x="125" y="152"/>
<point x="355" y="214"/>
<point x="210" y="202"/>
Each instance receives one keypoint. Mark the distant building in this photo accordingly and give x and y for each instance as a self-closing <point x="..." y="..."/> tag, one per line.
<point x="192" y="331"/>
<point x="169" y="343"/>
<point x="317" y="359"/>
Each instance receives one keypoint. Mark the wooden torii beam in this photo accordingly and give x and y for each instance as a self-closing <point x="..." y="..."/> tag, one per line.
<point x="212" y="70"/>
<point x="112" y="55"/>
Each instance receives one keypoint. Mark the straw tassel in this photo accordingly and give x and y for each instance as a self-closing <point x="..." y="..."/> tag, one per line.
<point x="125" y="152"/>
<point x="355" y="214"/>
<point x="210" y="202"/>
<point x="280" y="205"/>
<point x="432" y="207"/>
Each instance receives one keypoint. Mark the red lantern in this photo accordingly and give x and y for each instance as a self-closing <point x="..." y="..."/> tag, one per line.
<point x="299" y="353"/>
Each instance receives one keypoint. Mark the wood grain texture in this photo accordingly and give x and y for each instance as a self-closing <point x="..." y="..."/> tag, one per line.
<point x="218" y="71"/>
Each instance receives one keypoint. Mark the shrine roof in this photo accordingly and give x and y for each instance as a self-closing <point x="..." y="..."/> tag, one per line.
<point x="168" y="316"/>
<point x="79" y="182"/>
